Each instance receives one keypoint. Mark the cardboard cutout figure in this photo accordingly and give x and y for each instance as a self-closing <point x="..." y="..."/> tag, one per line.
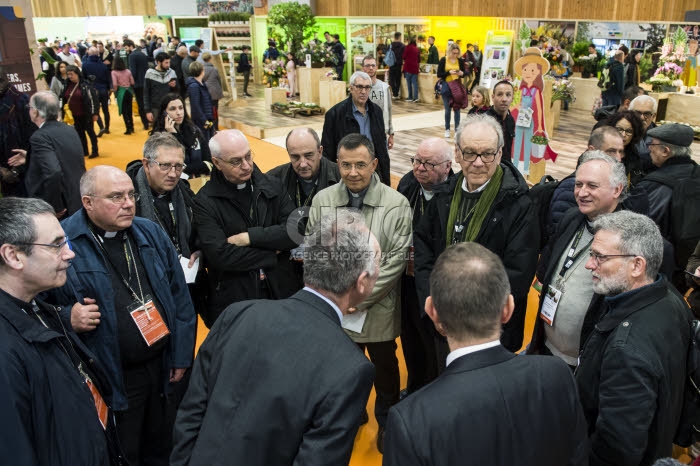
<point x="529" y="117"/>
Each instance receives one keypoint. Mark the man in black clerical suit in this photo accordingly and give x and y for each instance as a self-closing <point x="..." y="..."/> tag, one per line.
<point x="489" y="405"/>
<point x="278" y="383"/>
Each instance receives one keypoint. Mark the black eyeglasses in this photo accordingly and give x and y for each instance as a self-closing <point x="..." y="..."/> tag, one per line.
<point x="486" y="157"/>
<point x="166" y="167"/>
<point x="645" y="115"/>
<point x="600" y="258"/>
<point x="57" y="247"/>
<point x="362" y="88"/>
<point x="428" y="165"/>
<point x="627" y="131"/>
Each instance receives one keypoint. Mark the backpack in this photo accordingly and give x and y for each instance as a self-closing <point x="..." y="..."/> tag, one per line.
<point x="688" y="430"/>
<point x="541" y="197"/>
<point x="605" y="82"/>
<point x="390" y="58"/>
<point x="685" y="214"/>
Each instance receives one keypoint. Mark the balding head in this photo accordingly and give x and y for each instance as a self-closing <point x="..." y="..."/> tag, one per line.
<point x="92" y="51"/>
<point x="231" y="154"/>
<point x="438" y="153"/>
<point x="305" y="152"/>
<point x="108" y="197"/>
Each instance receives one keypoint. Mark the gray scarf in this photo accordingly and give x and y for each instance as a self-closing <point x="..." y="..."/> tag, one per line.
<point x="147" y="209"/>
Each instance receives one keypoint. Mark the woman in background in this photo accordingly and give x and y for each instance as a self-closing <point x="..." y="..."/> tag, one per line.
<point x="212" y="80"/>
<point x="631" y="129"/>
<point x="451" y="68"/>
<point x="173" y="118"/>
<point x="200" y="100"/>
<point x="58" y="83"/>
<point x="123" y="82"/>
<point x="411" y="68"/>
<point x="632" y="60"/>
<point x="291" y="68"/>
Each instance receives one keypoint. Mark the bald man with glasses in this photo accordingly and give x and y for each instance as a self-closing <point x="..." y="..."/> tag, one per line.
<point x="127" y="299"/>
<point x="241" y="218"/>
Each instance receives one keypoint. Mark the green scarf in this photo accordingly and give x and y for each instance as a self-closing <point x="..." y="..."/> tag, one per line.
<point x="481" y="208"/>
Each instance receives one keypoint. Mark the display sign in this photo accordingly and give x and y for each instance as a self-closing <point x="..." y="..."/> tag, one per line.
<point x="14" y="51"/>
<point x="496" y="57"/>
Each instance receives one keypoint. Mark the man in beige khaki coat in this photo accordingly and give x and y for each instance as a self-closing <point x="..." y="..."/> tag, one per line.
<point x="376" y="322"/>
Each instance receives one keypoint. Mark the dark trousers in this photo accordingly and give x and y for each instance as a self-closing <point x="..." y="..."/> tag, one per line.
<point x="138" y="92"/>
<point x="83" y="124"/>
<point x="416" y="338"/>
<point x="395" y="79"/>
<point x="448" y="110"/>
<point x="104" y="105"/>
<point x="387" y="382"/>
<point x="246" y="79"/>
<point x="127" y="111"/>
<point x="144" y="429"/>
<point x="215" y="108"/>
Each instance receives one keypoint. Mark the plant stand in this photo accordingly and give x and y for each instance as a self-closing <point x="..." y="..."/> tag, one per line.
<point x="294" y="109"/>
<point x="308" y="83"/>
<point x="331" y="93"/>
<point x="274" y="95"/>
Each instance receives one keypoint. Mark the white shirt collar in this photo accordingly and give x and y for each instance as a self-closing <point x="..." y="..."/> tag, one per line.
<point x="459" y="352"/>
<point x="428" y="195"/>
<point x="477" y="190"/>
<point x="330" y="303"/>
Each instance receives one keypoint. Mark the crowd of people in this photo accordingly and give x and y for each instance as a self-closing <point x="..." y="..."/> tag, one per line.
<point x="298" y="271"/>
<point x="85" y="76"/>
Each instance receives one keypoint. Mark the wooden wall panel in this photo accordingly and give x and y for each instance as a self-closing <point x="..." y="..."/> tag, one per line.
<point x="370" y="8"/>
<point x="331" y="8"/>
<point x="422" y="8"/>
<point x="50" y="8"/>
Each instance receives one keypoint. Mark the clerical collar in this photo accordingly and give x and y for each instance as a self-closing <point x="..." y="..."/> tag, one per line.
<point x="157" y="195"/>
<point x="103" y="234"/>
<point x="477" y="190"/>
<point x="241" y="187"/>
<point x="311" y="181"/>
<point x="361" y="194"/>
<point x="428" y="195"/>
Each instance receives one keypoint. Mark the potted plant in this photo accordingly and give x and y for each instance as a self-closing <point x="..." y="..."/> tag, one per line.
<point x="539" y="145"/>
<point x="292" y="22"/>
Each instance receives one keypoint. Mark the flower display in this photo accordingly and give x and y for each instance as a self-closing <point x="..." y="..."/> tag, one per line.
<point x="673" y="55"/>
<point x="319" y="54"/>
<point x="564" y="90"/>
<point x="273" y="70"/>
<point x="331" y="75"/>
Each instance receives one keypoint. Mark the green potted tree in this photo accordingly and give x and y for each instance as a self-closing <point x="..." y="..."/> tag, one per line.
<point x="292" y="22"/>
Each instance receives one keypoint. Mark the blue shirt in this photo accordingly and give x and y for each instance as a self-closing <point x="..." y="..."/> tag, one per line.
<point x="362" y="120"/>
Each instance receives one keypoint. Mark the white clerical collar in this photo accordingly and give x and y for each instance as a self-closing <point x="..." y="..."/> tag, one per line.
<point x="330" y="303"/>
<point x="459" y="352"/>
<point x="111" y="234"/>
<point x="428" y="195"/>
<point x="477" y="190"/>
<point x="241" y="186"/>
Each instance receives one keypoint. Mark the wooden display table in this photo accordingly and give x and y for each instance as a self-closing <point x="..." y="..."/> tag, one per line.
<point x="587" y="91"/>
<point x="683" y="108"/>
<point x="426" y="87"/>
<point x="274" y="95"/>
<point x="308" y="83"/>
<point x="331" y="93"/>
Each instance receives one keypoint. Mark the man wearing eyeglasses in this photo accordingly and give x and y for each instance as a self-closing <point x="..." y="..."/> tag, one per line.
<point x="127" y="298"/>
<point x="380" y="94"/>
<point x="357" y="114"/>
<point x="564" y="316"/>
<point x="432" y="165"/>
<point x="53" y="165"/>
<point x="632" y="371"/>
<point x="486" y="203"/>
<point x="46" y="373"/>
<point x="673" y="190"/>
<point x="375" y="323"/>
<point x="240" y="216"/>
<point x="645" y="107"/>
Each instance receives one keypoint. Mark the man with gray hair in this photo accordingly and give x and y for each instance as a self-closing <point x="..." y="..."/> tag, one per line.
<point x="432" y="165"/>
<point x="241" y="218"/>
<point x="674" y="191"/>
<point x="632" y="370"/>
<point x="46" y="372"/>
<point x="236" y="390"/>
<point x="463" y="413"/>
<point x="55" y="162"/>
<point x="486" y="203"/>
<point x="645" y="107"/>
<point x="564" y="317"/>
<point x="380" y="94"/>
<point x="357" y="114"/>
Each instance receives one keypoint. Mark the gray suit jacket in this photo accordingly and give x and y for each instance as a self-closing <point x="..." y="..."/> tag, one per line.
<point x="276" y="383"/>
<point x="55" y="163"/>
